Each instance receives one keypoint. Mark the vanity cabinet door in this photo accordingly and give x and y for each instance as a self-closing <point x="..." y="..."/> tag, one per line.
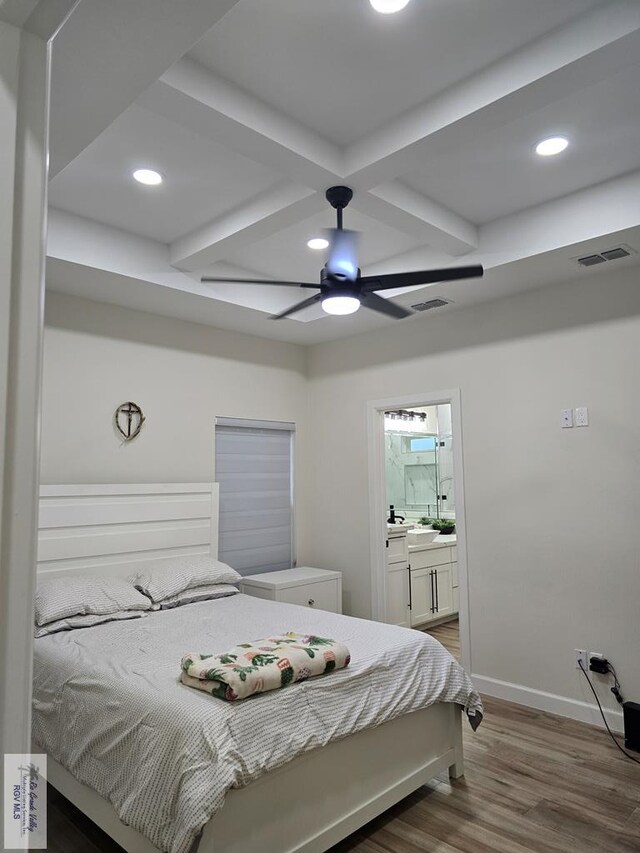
<point x="431" y="594"/>
<point x="443" y="588"/>
<point x="421" y="596"/>
<point x="398" y="612"/>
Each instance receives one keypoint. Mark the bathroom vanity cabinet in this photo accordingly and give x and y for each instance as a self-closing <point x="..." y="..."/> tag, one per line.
<point x="433" y="573"/>
<point x="422" y="580"/>
<point x="398" y="610"/>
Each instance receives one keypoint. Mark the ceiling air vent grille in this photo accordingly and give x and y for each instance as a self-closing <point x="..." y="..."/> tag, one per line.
<point x="614" y="254"/>
<point x="608" y="255"/>
<point x="591" y="260"/>
<point x="430" y="303"/>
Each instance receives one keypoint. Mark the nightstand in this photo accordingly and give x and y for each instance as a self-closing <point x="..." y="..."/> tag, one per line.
<point x="304" y="585"/>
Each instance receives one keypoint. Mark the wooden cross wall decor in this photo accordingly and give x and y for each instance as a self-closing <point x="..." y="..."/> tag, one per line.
<point x="131" y="416"/>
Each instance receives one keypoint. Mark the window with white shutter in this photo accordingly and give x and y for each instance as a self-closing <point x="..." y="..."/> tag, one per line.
<point x="254" y="467"/>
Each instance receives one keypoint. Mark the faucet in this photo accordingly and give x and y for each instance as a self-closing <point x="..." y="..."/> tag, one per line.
<point x="393" y="518"/>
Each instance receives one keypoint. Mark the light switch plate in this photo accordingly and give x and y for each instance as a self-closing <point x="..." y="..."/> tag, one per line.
<point x="566" y="418"/>
<point x="582" y="416"/>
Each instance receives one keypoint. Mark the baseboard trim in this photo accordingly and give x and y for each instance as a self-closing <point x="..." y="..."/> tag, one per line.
<point x="561" y="705"/>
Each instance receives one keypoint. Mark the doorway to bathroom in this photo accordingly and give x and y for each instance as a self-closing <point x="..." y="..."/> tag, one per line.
<point x="417" y="522"/>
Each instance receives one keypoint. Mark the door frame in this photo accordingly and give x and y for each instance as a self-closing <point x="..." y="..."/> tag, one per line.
<point x="378" y="503"/>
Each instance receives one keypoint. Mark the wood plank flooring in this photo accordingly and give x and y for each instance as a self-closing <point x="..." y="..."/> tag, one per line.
<point x="449" y="635"/>
<point x="534" y="783"/>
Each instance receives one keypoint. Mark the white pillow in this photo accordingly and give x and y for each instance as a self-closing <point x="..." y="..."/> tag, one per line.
<point x="197" y="593"/>
<point x="179" y="573"/>
<point x="59" y="598"/>
<point x="85" y="621"/>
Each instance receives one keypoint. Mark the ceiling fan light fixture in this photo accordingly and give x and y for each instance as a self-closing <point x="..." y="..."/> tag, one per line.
<point x="551" y="146"/>
<point x="388" y="7"/>
<point x="340" y="305"/>
<point x="317" y="243"/>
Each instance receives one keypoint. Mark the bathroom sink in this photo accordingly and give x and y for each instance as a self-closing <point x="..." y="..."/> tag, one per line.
<point x="398" y="527"/>
<point x="421" y="536"/>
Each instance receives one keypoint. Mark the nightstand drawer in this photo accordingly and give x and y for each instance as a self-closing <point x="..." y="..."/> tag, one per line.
<point x="320" y="596"/>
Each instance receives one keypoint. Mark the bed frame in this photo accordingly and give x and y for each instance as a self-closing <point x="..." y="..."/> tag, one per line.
<point x="114" y="529"/>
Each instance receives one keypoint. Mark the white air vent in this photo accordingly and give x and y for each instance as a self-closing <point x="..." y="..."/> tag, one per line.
<point x="622" y="251"/>
<point x="431" y="303"/>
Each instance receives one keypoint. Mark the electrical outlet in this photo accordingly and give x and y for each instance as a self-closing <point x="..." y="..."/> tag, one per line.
<point x="598" y="664"/>
<point x="566" y="418"/>
<point x="582" y="658"/>
<point x="582" y="416"/>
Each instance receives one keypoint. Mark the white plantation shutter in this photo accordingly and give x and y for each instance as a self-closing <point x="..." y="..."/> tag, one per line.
<point x="255" y="472"/>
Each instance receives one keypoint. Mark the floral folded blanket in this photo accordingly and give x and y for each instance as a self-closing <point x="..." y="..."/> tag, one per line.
<point x="263" y="665"/>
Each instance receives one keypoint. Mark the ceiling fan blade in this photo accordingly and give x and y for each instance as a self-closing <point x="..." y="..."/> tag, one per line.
<point x="261" y="281"/>
<point x="312" y="300"/>
<point x="406" y="279"/>
<point x="342" y="262"/>
<point x="384" y="306"/>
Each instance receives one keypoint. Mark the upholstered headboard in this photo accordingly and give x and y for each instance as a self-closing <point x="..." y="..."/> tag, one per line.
<point x="113" y="529"/>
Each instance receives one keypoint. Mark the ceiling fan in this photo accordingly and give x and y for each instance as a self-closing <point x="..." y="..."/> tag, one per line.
<point x="343" y="289"/>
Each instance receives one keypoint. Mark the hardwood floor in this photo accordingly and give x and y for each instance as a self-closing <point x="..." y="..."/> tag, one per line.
<point x="449" y="635"/>
<point x="534" y="783"/>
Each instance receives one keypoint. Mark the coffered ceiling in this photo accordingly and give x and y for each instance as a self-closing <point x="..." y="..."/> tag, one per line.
<point x="251" y="109"/>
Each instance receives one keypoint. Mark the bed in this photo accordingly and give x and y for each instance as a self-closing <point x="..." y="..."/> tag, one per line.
<point x="139" y="760"/>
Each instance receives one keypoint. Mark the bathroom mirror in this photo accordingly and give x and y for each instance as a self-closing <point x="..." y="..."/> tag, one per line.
<point x="419" y="462"/>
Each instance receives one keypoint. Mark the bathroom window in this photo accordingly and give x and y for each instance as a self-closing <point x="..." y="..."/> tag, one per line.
<point x="254" y="467"/>
<point x="428" y="442"/>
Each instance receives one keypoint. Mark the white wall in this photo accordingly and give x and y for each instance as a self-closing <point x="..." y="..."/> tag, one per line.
<point x="552" y="515"/>
<point x="181" y="374"/>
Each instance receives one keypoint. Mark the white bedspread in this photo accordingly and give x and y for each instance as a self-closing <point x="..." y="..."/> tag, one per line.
<point x="108" y="705"/>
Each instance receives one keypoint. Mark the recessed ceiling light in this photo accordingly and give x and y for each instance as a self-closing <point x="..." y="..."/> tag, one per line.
<point x="148" y="176"/>
<point x="317" y="243"/>
<point x="552" y="145"/>
<point x="340" y="304"/>
<point x="387" y="7"/>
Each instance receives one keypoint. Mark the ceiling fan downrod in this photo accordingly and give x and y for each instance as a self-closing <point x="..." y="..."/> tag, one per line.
<point x="339" y="198"/>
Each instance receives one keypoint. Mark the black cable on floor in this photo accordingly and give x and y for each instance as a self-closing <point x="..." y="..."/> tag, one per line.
<point x="623" y="751"/>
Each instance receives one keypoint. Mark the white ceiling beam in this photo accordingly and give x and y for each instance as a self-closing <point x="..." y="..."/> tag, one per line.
<point x="88" y="259"/>
<point x="407" y="210"/>
<point x="259" y="218"/>
<point x="565" y="221"/>
<point x="43" y="18"/>
<point x="192" y="95"/>
<point x="108" y="53"/>
<point x="84" y="243"/>
<point x="17" y="12"/>
<point x="195" y="97"/>
<point x="596" y="45"/>
<point x="88" y="243"/>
